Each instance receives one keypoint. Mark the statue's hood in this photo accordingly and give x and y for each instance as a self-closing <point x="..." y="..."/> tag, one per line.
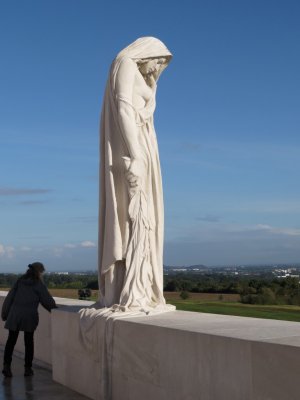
<point x="142" y="48"/>
<point x="146" y="47"/>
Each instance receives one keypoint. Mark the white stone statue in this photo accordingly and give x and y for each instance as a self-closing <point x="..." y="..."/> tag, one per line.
<point x="131" y="215"/>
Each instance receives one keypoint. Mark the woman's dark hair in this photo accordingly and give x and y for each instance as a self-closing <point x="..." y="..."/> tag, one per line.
<point x="34" y="271"/>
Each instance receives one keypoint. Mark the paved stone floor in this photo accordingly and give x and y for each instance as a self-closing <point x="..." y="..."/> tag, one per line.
<point x="38" y="387"/>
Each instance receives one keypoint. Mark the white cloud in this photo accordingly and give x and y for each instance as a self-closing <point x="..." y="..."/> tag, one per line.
<point x="55" y="257"/>
<point x="222" y="232"/>
<point x="209" y="218"/>
<point x="270" y="206"/>
<point x="25" y="248"/>
<point x="70" y="246"/>
<point x="279" y="231"/>
<point x="58" y="252"/>
<point x="7" y="251"/>
<point x="232" y="243"/>
<point x="87" y="244"/>
<point x="8" y="191"/>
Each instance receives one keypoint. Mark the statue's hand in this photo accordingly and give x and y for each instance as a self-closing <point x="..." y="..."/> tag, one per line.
<point x="152" y="80"/>
<point x="135" y="172"/>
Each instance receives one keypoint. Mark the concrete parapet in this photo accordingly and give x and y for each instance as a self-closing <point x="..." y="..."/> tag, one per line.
<point x="177" y="355"/>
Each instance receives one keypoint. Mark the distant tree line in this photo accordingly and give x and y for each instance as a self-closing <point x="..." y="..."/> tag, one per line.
<point x="252" y="290"/>
<point x="57" y="281"/>
<point x="7" y="280"/>
<point x="277" y="291"/>
<point x="208" y="283"/>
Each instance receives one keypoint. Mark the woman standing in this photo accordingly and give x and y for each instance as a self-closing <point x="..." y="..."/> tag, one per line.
<point x="131" y="203"/>
<point x="19" y="310"/>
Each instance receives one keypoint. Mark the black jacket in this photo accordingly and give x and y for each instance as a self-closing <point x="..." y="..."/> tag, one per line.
<point x="20" y="306"/>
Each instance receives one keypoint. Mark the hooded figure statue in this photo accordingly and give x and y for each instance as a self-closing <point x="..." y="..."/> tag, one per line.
<point x="131" y="215"/>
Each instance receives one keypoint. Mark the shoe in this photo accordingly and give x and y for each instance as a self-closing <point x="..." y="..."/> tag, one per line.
<point x="7" y="371"/>
<point x="28" y="371"/>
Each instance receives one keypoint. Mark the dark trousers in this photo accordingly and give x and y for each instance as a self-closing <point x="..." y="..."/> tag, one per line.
<point x="10" y="345"/>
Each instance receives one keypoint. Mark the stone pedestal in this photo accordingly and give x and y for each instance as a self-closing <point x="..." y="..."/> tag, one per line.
<point x="185" y="356"/>
<point x="177" y="355"/>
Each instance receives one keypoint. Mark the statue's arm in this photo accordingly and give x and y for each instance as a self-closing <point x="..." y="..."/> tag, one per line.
<point x="125" y="81"/>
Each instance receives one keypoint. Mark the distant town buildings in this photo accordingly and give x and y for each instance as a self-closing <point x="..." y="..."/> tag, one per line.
<point x="286" y="272"/>
<point x="278" y="271"/>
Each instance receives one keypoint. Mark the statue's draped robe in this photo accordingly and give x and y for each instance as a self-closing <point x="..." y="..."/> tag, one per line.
<point x="130" y="219"/>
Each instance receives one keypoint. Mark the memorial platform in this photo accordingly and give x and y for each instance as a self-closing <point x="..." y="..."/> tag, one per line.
<point x="40" y="386"/>
<point x="178" y="355"/>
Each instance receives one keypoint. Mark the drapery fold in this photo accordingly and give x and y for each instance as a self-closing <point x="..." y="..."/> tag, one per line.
<point x="130" y="219"/>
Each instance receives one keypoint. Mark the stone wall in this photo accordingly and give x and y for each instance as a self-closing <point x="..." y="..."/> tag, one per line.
<point x="177" y="355"/>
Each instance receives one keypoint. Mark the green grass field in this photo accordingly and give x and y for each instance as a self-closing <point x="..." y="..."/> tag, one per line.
<point x="210" y="303"/>
<point x="287" y="313"/>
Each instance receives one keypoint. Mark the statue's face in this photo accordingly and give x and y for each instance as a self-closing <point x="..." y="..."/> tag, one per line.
<point x="151" y="66"/>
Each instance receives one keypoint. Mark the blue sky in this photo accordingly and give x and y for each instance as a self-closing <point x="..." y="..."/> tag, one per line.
<point x="227" y="121"/>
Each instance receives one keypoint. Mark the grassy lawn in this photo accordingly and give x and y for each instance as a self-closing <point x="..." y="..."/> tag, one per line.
<point x="230" y="305"/>
<point x="71" y="293"/>
<point x="287" y="313"/>
<point x="210" y="303"/>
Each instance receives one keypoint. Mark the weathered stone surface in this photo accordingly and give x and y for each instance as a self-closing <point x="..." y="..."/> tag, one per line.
<point x="177" y="355"/>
